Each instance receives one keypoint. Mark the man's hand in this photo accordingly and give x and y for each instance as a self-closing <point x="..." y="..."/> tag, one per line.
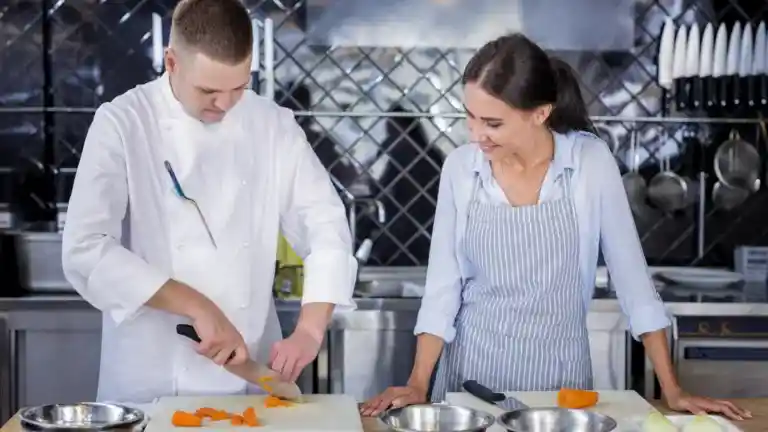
<point x="219" y="338"/>
<point x="290" y="356"/>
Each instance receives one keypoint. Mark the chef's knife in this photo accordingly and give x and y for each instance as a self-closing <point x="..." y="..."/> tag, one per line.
<point x="745" y="67"/>
<point x="731" y="90"/>
<point x="666" y="54"/>
<point x="692" y="81"/>
<point x="487" y="395"/>
<point x="758" y="67"/>
<point x="718" y="65"/>
<point x="706" y="80"/>
<point x="253" y="372"/>
<point x="678" y="68"/>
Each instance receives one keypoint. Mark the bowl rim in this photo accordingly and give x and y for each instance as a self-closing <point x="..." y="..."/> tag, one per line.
<point x="137" y="414"/>
<point x="499" y="419"/>
<point x="487" y="418"/>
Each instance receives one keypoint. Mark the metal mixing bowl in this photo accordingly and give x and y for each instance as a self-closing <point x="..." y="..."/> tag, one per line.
<point x="437" y="417"/>
<point x="85" y="416"/>
<point x="555" y="420"/>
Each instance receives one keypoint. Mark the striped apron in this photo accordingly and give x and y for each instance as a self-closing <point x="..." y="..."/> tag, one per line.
<point x="522" y="321"/>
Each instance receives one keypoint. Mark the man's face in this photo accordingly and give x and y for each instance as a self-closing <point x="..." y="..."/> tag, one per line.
<point x="206" y="88"/>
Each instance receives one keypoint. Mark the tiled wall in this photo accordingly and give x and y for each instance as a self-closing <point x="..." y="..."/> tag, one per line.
<point x="68" y="56"/>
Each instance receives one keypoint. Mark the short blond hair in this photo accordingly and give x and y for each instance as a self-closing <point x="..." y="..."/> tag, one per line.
<point x="219" y="29"/>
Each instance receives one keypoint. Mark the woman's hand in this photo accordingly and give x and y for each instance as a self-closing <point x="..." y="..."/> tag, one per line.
<point x="681" y="401"/>
<point x="394" y="397"/>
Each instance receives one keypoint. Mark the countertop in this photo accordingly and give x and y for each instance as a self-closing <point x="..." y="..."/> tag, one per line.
<point x="758" y="423"/>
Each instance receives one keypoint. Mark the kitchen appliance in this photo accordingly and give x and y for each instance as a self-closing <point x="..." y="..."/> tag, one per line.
<point x="85" y="416"/>
<point x="253" y="372"/>
<point x="522" y="418"/>
<point x="751" y="262"/>
<point x="436" y="417"/>
<point x="722" y="357"/>
<point x="322" y="412"/>
<point x="40" y="267"/>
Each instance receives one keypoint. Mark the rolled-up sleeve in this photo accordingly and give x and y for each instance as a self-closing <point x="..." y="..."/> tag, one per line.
<point x="623" y="253"/>
<point x="313" y="220"/>
<point x="101" y="270"/>
<point x="442" y="293"/>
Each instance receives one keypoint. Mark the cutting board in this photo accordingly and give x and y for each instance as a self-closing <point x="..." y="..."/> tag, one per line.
<point x="317" y="413"/>
<point x="623" y="406"/>
<point x="636" y="424"/>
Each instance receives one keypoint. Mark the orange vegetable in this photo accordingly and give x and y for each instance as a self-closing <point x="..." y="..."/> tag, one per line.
<point x="185" y="419"/>
<point x="249" y="416"/>
<point x="576" y="399"/>
<point x="212" y="413"/>
<point x="237" y="420"/>
<point x="275" y="402"/>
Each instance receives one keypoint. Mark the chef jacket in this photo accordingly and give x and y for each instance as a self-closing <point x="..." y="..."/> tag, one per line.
<point x="252" y="175"/>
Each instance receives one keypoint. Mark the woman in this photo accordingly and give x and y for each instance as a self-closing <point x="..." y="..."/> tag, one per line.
<point x="520" y="217"/>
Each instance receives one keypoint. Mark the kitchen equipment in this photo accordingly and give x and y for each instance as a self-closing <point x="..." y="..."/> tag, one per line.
<point x="436" y="417"/>
<point x="667" y="190"/>
<point x="728" y="198"/>
<point x="731" y="81"/>
<point x="745" y="67"/>
<point x="700" y="277"/>
<point x="737" y="163"/>
<point x="751" y="262"/>
<point x="39" y="260"/>
<point x="522" y="418"/>
<point x="634" y="182"/>
<point x="718" y="93"/>
<point x="322" y="412"/>
<point x="692" y="53"/>
<point x="680" y="421"/>
<point x="85" y="416"/>
<point x="666" y="54"/>
<point x="701" y="96"/>
<point x="253" y="372"/>
<point x="758" y="91"/>
<point x="678" y="68"/>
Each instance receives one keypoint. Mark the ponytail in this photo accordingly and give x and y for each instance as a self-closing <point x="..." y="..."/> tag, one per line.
<point x="569" y="112"/>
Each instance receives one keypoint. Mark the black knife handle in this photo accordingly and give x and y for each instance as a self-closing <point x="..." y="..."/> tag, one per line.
<point x="482" y="392"/>
<point x="725" y="90"/>
<point x="711" y="92"/>
<point x="697" y="92"/>
<point x="762" y="89"/>
<point x="188" y="331"/>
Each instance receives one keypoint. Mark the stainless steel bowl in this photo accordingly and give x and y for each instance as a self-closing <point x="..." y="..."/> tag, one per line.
<point x="85" y="416"/>
<point x="437" y="417"/>
<point x="555" y="420"/>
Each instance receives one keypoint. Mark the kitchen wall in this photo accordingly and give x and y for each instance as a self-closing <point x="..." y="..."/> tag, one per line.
<point x="381" y="117"/>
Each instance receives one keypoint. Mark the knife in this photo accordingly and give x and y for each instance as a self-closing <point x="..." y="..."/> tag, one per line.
<point x="745" y="67"/>
<point x="678" y="67"/>
<point x="718" y="64"/>
<point x="507" y="403"/>
<point x="692" y="81"/>
<point x="758" y="67"/>
<point x="705" y="68"/>
<point x="253" y="372"/>
<point x="730" y="92"/>
<point x="666" y="54"/>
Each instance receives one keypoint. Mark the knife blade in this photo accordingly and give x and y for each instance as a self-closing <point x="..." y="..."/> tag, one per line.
<point x="732" y="65"/>
<point x="745" y="67"/>
<point x="718" y="64"/>
<point x="678" y="67"/>
<point x="758" y="66"/>
<point x="705" y="67"/>
<point x="666" y="54"/>
<point x="507" y="403"/>
<point x="252" y="371"/>
<point x="691" y="80"/>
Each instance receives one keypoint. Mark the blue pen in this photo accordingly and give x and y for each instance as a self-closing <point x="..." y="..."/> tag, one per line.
<point x="180" y="192"/>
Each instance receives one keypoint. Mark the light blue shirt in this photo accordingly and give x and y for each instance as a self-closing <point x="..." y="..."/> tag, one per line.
<point x="604" y="219"/>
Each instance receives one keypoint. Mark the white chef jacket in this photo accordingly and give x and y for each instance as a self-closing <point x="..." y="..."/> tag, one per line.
<point x="127" y="232"/>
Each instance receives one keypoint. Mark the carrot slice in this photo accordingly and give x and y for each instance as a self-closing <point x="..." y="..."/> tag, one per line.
<point x="250" y="418"/>
<point x="212" y="413"/>
<point x="185" y="419"/>
<point x="237" y="420"/>
<point x="576" y="399"/>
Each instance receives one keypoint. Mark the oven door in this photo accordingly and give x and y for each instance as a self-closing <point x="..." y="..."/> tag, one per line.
<point x="723" y="368"/>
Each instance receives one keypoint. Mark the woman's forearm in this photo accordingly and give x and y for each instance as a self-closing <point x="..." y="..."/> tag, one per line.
<point x="428" y="349"/>
<point x="657" y="349"/>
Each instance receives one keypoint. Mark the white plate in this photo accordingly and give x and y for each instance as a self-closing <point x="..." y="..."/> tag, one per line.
<point x="701" y="277"/>
<point x="636" y="424"/>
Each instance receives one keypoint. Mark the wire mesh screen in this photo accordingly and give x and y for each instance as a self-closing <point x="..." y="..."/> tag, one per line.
<point x="380" y="118"/>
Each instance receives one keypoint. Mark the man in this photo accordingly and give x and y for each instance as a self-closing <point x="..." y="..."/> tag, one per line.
<point x="137" y="250"/>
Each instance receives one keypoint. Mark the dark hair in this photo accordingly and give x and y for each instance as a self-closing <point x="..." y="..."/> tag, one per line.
<point x="220" y="29"/>
<point x="517" y="71"/>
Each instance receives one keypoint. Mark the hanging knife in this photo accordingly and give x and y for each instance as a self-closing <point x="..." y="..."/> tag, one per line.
<point x="666" y="54"/>
<point x="718" y="65"/>
<point x="760" y="92"/>
<point x="706" y="80"/>
<point x="253" y="372"/>
<point x="745" y="66"/>
<point x="730" y="93"/>
<point x="678" y="68"/>
<point x="692" y="81"/>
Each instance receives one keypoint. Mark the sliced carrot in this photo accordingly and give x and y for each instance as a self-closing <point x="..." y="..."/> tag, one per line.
<point x="237" y="420"/>
<point x="185" y="419"/>
<point x="576" y="399"/>
<point x="249" y="415"/>
<point x="212" y="413"/>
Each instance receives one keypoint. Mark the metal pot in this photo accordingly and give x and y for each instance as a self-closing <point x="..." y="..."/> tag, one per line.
<point x="437" y="417"/>
<point x="85" y="416"/>
<point x="555" y="420"/>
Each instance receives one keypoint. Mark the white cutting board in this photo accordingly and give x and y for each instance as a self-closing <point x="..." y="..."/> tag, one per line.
<point x="623" y="406"/>
<point x="317" y="413"/>
<point x="636" y="424"/>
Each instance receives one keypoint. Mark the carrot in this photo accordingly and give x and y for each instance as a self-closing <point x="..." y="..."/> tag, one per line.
<point x="275" y="402"/>
<point x="249" y="416"/>
<point x="185" y="419"/>
<point x="212" y="413"/>
<point x="576" y="399"/>
<point x="237" y="420"/>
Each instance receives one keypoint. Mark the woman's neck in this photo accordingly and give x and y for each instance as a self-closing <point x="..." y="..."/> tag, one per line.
<point x="540" y="151"/>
